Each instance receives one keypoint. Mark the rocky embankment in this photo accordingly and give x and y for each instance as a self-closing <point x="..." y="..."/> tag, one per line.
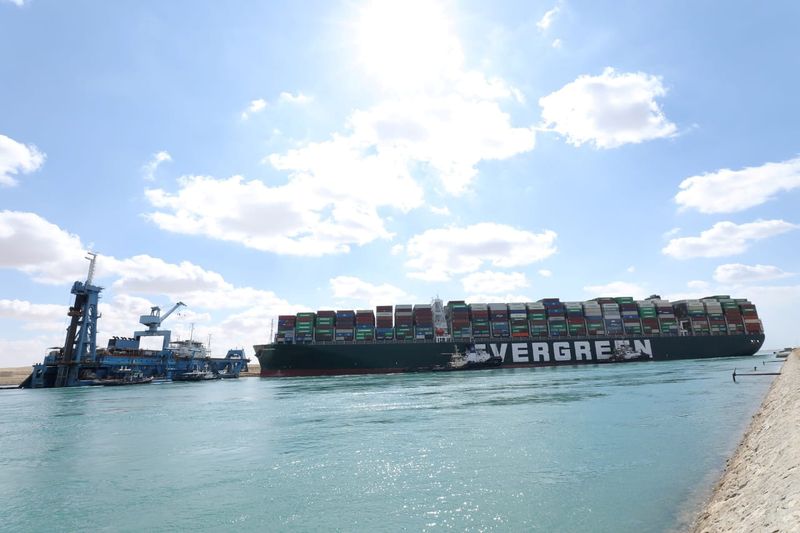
<point x="760" y="489"/>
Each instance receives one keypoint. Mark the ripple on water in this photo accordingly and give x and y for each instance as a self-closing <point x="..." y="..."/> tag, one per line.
<point x="592" y="448"/>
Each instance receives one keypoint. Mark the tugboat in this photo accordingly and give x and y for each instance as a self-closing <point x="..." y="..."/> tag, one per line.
<point x="196" y="375"/>
<point x="472" y="359"/>
<point x="624" y="352"/>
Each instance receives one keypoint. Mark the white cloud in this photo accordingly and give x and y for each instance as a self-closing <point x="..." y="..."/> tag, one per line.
<point x="739" y="273"/>
<point x="187" y="282"/>
<point x="31" y="244"/>
<point x="444" y="211"/>
<point x="547" y="20"/>
<point x="147" y="274"/>
<point x="725" y="238"/>
<point x="698" y="285"/>
<point x="671" y="233"/>
<point x="18" y="3"/>
<point x="617" y="288"/>
<point x="149" y="168"/>
<point x="255" y="106"/>
<point x="545" y="273"/>
<point x="496" y="298"/>
<point x="397" y="249"/>
<point x="728" y="191"/>
<point x="436" y="254"/>
<point x="493" y="282"/>
<point x="17" y="158"/>
<point x="631" y="269"/>
<point x="309" y="216"/>
<point x="343" y="170"/>
<point x="608" y="110"/>
<point x="298" y="98"/>
<point x="557" y="43"/>
<point x="353" y="289"/>
<point x="452" y="133"/>
<point x="36" y="317"/>
<point x="27" y="351"/>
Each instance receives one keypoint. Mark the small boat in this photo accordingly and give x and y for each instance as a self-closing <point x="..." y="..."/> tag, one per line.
<point x="131" y="378"/>
<point x="137" y="381"/>
<point x="624" y="352"/>
<point x="195" y="375"/>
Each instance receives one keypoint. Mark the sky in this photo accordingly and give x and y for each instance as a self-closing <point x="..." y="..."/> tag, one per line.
<point x="260" y="158"/>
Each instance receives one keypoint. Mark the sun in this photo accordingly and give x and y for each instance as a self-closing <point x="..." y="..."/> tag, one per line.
<point x="407" y="44"/>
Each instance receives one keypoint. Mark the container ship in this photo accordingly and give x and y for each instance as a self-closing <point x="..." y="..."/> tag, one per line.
<point x="406" y="338"/>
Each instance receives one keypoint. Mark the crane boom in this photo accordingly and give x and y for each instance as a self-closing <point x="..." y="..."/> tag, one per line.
<point x="174" y="307"/>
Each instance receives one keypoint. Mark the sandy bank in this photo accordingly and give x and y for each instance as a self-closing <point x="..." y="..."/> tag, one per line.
<point x="760" y="489"/>
<point x="253" y="371"/>
<point x="14" y="376"/>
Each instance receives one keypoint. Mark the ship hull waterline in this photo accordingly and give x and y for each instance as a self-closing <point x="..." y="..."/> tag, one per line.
<point x="320" y="359"/>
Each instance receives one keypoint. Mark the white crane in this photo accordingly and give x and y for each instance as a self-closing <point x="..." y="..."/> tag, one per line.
<point x="155" y="318"/>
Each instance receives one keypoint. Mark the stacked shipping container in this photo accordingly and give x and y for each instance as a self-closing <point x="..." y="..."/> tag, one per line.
<point x="304" y="327"/>
<point x="692" y="316"/>
<point x="286" y="328"/>
<point x="537" y="319"/>
<point x="666" y="317"/>
<point x="345" y="323"/>
<point x="631" y="321"/>
<point x="518" y="320"/>
<point x="365" y="325"/>
<point x="457" y="314"/>
<point x="549" y="317"/>
<point x="594" y="318"/>
<point x="648" y="317"/>
<point x="403" y="322"/>
<point x="423" y="322"/>
<point x="576" y="325"/>
<point x="384" y="330"/>
<point x="556" y="316"/>
<point x="498" y="317"/>
<point x="326" y="322"/>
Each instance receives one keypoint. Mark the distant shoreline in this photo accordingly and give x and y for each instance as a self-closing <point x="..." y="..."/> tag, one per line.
<point x="760" y="487"/>
<point x="15" y="375"/>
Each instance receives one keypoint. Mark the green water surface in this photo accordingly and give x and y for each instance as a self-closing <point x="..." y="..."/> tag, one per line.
<point x="620" y="447"/>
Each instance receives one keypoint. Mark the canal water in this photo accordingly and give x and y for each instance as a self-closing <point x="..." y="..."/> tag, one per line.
<point x="618" y="447"/>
